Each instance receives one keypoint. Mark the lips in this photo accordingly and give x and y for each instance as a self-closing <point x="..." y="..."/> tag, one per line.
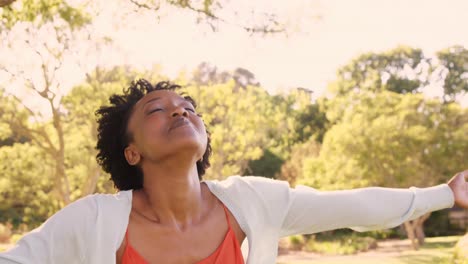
<point x="179" y="122"/>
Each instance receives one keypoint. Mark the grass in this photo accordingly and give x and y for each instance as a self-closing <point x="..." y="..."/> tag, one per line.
<point x="436" y="250"/>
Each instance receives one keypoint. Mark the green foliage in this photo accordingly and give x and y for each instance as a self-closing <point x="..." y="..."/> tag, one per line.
<point x="394" y="70"/>
<point x="81" y="127"/>
<point x="40" y="12"/>
<point x="439" y="225"/>
<point x="238" y="120"/>
<point x="390" y="139"/>
<point x="298" y="126"/>
<point x="268" y="165"/>
<point x="292" y="169"/>
<point x="26" y="187"/>
<point x="296" y="242"/>
<point x="454" y="61"/>
<point x="343" y="245"/>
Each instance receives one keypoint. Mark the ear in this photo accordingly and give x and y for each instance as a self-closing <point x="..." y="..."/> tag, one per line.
<point x="131" y="155"/>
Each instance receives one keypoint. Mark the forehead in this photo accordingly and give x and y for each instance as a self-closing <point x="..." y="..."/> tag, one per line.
<point x="159" y="94"/>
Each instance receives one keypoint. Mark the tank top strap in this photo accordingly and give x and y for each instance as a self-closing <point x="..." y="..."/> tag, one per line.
<point x="227" y="216"/>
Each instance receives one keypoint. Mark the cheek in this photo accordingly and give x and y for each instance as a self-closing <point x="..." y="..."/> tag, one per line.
<point x="200" y="127"/>
<point x="150" y="131"/>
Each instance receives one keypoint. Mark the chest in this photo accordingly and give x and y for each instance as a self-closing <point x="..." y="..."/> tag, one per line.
<point x="160" y="244"/>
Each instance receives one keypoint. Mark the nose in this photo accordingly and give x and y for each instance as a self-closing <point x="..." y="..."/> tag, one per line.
<point x="179" y="111"/>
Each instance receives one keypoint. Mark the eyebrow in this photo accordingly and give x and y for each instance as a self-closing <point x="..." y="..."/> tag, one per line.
<point x="151" y="100"/>
<point x="158" y="98"/>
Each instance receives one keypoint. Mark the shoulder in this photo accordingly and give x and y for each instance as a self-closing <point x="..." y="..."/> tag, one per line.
<point x="251" y="194"/>
<point x="96" y="218"/>
<point x="252" y="188"/>
<point x="93" y="206"/>
<point x="97" y="202"/>
<point x="244" y="183"/>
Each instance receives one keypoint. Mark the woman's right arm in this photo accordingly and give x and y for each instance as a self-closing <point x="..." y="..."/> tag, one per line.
<point x="61" y="239"/>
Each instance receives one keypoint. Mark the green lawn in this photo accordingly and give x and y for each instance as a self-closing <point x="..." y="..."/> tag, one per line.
<point x="436" y="250"/>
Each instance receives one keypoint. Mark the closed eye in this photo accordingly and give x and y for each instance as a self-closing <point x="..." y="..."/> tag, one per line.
<point x="190" y="109"/>
<point x="155" y="110"/>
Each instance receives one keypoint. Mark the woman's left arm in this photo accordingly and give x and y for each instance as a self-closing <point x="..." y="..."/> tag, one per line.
<point x="312" y="211"/>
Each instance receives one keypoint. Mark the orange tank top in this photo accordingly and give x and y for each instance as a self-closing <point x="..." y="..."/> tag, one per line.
<point x="228" y="252"/>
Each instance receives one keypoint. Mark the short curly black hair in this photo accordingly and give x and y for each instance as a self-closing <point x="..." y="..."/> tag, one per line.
<point x="113" y="137"/>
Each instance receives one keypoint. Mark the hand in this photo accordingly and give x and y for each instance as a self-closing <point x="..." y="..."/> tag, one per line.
<point x="459" y="188"/>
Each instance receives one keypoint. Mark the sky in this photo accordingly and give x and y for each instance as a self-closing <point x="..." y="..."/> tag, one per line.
<point x="308" y="57"/>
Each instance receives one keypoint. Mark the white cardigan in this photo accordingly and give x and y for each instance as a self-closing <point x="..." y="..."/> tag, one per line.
<point x="91" y="229"/>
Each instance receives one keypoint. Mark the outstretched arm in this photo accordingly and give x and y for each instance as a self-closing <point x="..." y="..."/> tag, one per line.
<point x="312" y="211"/>
<point x="58" y="240"/>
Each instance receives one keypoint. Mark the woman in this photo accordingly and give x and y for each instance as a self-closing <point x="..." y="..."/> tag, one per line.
<point x="156" y="149"/>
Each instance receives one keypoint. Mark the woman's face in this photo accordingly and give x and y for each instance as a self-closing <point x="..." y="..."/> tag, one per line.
<point x="163" y="125"/>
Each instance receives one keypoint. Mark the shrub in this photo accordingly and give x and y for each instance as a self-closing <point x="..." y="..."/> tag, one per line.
<point x="297" y="242"/>
<point x="343" y="245"/>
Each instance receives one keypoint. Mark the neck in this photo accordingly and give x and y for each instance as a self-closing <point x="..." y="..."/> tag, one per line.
<point x="173" y="194"/>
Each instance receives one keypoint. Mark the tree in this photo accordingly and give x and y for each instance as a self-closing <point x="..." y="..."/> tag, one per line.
<point x="292" y="169"/>
<point x="80" y="127"/>
<point x="400" y="70"/>
<point x="452" y="72"/>
<point x="297" y="123"/>
<point x="41" y="12"/>
<point x="239" y="122"/>
<point x="251" y="16"/>
<point x="25" y="187"/>
<point x="255" y="18"/>
<point x="26" y="23"/>
<point x="392" y="140"/>
<point x="208" y="74"/>
<point x="395" y="70"/>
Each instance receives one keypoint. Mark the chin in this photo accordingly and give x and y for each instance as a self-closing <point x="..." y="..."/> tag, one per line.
<point x="189" y="145"/>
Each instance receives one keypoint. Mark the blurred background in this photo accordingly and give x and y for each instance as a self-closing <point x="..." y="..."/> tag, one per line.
<point x="331" y="94"/>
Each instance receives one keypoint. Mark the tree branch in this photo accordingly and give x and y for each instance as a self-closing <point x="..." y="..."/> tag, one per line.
<point x="210" y="15"/>
<point x="145" y="6"/>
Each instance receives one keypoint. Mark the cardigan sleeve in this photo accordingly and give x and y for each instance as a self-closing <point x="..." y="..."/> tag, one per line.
<point x="364" y="209"/>
<point x="61" y="239"/>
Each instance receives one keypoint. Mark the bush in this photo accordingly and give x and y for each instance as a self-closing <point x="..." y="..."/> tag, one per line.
<point x="439" y="225"/>
<point x="296" y="242"/>
<point x="343" y="245"/>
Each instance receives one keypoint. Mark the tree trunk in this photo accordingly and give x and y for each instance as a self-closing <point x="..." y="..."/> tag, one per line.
<point x="415" y="231"/>
<point x="411" y="235"/>
<point x="62" y="181"/>
<point x="91" y="182"/>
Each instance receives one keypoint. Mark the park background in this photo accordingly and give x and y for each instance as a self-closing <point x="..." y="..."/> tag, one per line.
<point x="330" y="94"/>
